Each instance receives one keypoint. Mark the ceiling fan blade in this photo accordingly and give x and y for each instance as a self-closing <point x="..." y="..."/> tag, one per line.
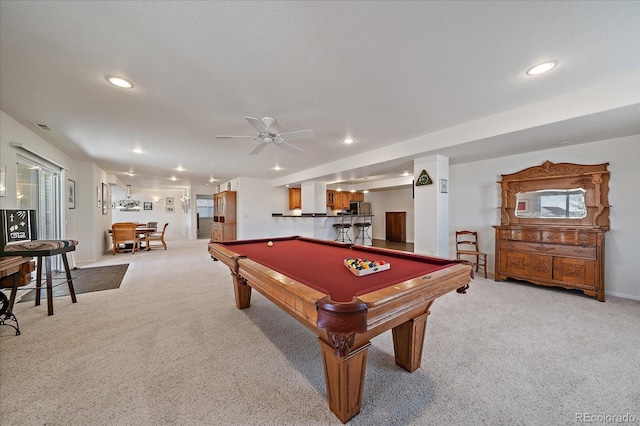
<point x="299" y="134"/>
<point x="256" y="124"/>
<point x="235" y="137"/>
<point x="290" y="147"/>
<point x="258" y="148"/>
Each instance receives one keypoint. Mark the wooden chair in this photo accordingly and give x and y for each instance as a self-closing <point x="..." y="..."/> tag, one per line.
<point x="125" y="237"/>
<point x="153" y="225"/>
<point x="157" y="236"/>
<point x="467" y="245"/>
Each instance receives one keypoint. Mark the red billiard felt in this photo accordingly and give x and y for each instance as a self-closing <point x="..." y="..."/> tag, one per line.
<point x="321" y="266"/>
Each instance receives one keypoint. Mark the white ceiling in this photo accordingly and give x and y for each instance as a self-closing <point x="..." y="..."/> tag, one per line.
<point x="404" y="79"/>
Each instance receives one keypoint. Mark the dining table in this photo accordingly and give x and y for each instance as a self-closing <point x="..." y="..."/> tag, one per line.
<point x="140" y="230"/>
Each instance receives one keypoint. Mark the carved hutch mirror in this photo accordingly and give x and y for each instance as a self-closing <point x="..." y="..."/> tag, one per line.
<point x="552" y="223"/>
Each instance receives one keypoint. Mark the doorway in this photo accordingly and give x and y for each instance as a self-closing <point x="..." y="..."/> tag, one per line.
<point x="204" y="215"/>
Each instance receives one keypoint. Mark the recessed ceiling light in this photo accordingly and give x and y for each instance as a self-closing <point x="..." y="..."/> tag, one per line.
<point x="366" y="191"/>
<point x="137" y="150"/>
<point x="211" y="179"/>
<point x="130" y="174"/>
<point x="405" y="174"/>
<point x="277" y="168"/>
<point x="348" y="141"/>
<point x="120" y="82"/>
<point x="544" y="67"/>
<point x="180" y="169"/>
<point x="174" y="178"/>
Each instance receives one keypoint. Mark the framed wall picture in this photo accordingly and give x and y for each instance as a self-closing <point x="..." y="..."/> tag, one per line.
<point x="170" y="209"/>
<point x="148" y="205"/>
<point x="444" y="186"/>
<point x="71" y="194"/>
<point x="105" y="198"/>
<point x="170" y="201"/>
<point x="98" y="196"/>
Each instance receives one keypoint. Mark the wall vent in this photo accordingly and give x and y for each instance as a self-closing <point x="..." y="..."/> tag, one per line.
<point x="43" y="126"/>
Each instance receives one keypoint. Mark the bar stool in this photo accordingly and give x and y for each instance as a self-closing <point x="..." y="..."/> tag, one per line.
<point x="342" y="230"/>
<point x="363" y="231"/>
<point x="20" y="240"/>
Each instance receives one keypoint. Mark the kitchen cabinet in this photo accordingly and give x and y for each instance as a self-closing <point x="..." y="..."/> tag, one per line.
<point x="339" y="200"/>
<point x="295" y="198"/>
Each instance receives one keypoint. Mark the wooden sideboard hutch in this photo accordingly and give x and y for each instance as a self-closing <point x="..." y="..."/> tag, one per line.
<point x="223" y="227"/>
<point x="552" y="224"/>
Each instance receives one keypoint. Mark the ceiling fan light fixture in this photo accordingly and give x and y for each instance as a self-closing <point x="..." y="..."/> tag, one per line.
<point x="542" y="68"/>
<point x="120" y="82"/>
<point x="267" y="134"/>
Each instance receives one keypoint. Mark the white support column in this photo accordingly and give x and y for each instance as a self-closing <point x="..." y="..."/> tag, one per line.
<point x="431" y="207"/>
<point x="314" y="197"/>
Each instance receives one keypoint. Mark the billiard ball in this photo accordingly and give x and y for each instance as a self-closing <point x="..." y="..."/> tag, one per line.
<point x="270" y="243"/>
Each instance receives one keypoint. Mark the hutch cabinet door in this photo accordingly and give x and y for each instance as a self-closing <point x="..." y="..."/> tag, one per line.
<point x="576" y="271"/>
<point x="541" y="266"/>
<point x="515" y="263"/>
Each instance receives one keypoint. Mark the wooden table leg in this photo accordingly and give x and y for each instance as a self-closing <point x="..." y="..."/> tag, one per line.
<point x="72" y="292"/>
<point x="49" y="286"/>
<point x="344" y="377"/>
<point x="38" y="280"/>
<point x="14" y="289"/>
<point x="408" y="341"/>
<point x="242" y="291"/>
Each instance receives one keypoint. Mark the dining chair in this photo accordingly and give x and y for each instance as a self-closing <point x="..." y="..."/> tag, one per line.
<point x="125" y="237"/>
<point x="467" y="245"/>
<point x="157" y="236"/>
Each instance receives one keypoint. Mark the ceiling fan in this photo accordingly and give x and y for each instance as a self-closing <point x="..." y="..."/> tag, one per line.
<point x="267" y="134"/>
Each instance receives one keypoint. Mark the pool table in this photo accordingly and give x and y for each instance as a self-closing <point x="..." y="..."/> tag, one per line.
<point x="307" y="278"/>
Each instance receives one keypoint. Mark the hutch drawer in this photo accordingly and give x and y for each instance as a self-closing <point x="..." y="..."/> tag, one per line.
<point x="569" y="237"/>
<point x="589" y="252"/>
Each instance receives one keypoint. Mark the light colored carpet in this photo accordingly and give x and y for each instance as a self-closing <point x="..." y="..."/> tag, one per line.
<point x="170" y="348"/>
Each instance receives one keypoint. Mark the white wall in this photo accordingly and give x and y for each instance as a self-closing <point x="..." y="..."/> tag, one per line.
<point x="475" y="198"/>
<point x="179" y="222"/>
<point x="12" y="131"/>
<point x="256" y="200"/>
<point x="396" y="200"/>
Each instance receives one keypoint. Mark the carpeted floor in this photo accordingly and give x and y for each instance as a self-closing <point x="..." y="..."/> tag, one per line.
<point x="171" y="348"/>
<point x="85" y="280"/>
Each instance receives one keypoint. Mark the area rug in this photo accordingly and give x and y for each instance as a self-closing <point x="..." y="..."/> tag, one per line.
<point x="85" y="280"/>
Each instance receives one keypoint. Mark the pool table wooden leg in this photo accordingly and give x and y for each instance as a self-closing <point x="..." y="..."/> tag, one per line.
<point x="242" y="291"/>
<point x="344" y="377"/>
<point x="408" y="340"/>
